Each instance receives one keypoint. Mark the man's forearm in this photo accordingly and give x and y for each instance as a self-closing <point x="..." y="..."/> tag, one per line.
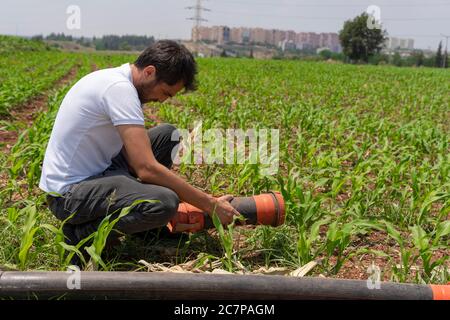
<point x="162" y="176"/>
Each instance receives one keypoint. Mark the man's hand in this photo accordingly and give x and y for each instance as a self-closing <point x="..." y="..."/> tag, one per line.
<point x="224" y="209"/>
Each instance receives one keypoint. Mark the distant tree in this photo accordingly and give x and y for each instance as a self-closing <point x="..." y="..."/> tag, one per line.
<point x="429" y="61"/>
<point x="420" y="58"/>
<point x="127" y="42"/>
<point x="51" y="36"/>
<point x="446" y="59"/>
<point x="251" y="53"/>
<point x="359" y="42"/>
<point x="397" y="60"/>
<point x="326" y="54"/>
<point x="379" y="58"/>
<point x="125" y="46"/>
<point x="83" y="41"/>
<point x="59" y="37"/>
<point x="439" y="57"/>
<point x="38" y="37"/>
<point x="416" y="58"/>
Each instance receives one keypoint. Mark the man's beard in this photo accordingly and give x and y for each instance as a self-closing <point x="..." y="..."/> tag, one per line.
<point x="142" y="89"/>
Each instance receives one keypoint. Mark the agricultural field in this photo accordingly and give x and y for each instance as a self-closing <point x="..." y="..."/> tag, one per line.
<point x="364" y="167"/>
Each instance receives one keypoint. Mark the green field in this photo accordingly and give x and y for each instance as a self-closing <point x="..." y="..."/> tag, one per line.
<point x="364" y="167"/>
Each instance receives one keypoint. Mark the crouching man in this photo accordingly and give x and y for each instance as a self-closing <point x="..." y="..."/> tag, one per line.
<point x="100" y="158"/>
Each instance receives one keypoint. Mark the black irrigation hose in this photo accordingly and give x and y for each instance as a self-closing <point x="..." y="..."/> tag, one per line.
<point x="159" y="285"/>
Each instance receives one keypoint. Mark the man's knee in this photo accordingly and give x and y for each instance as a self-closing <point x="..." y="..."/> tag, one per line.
<point x="162" y="206"/>
<point x="165" y="139"/>
<point x="167" y="130"/>
<point x="169" y="202"/>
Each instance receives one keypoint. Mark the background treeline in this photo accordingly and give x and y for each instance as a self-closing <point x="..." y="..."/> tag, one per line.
<point x="417" y="58"/>
<point x="414" y="59"/>
<point x="107" y="42"/>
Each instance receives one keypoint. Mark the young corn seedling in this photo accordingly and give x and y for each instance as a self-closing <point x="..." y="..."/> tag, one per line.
<point x="28" y="231"/>
<point x="307" y="249"/>
<point x="226" y="239"/>
<point x="339" y="237"/>
<point x="426" y="244"/>
<point x="59" y="239"/>
<point x="273" y="243"/>
<point x="400" y="272"/>
<point x="100" y="237"/>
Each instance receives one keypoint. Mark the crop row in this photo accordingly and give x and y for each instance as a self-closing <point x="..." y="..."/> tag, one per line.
<point x="27" y="74"/>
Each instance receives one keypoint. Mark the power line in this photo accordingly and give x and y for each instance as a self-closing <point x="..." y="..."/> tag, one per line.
<point x="417" y="19"/>
<point x="417" y="35"/>
<point x="324" y="18"/>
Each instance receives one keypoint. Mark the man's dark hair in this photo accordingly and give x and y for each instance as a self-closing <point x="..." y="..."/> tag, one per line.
<point x="173" y="62"/>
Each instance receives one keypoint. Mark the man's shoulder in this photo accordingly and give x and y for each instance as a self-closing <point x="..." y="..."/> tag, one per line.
<point x="117" y="80"/>
<point x="101" y="83"/>
<point x="120" y="89"/>
<point x="108" y="77"/>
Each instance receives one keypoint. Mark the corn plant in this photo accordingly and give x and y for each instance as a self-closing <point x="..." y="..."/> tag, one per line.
<point x="28" y="231"/>
<point x="226" y="239"/>
<point x="104" y="230"/>
<point x="307" y="248"/>
<point x="421" y="252"/>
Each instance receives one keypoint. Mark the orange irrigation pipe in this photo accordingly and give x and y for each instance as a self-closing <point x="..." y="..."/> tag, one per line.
<point x="264" y="209"/>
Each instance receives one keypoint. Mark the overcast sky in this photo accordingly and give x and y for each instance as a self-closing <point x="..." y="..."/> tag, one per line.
<point x="422" y="20"/>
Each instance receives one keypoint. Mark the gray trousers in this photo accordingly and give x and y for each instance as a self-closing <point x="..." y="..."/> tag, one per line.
<point x="116" y="188"/>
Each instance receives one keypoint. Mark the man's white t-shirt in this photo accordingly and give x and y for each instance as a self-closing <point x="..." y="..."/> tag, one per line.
<point x="84" y="138"/>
